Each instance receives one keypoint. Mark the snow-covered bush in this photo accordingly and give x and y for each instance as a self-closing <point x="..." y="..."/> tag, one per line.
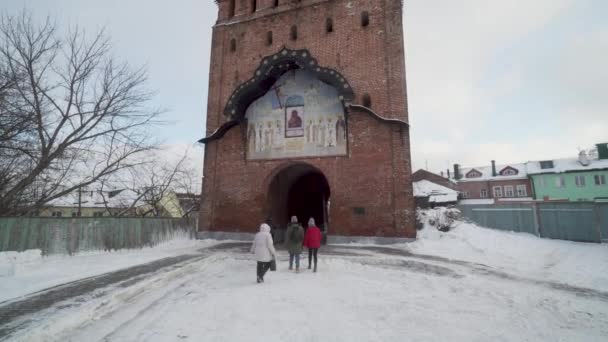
<point x="441" y="218"/>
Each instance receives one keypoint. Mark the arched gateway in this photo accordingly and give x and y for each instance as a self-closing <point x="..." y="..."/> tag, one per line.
<point x="288" y="134"/>
<point x="301" y="190"/>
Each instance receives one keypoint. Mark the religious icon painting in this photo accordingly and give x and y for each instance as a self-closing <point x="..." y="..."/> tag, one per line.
<point x="294" y="117"/>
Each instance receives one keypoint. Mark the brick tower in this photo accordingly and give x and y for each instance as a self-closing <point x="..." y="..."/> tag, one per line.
<point x="307" y="116"/>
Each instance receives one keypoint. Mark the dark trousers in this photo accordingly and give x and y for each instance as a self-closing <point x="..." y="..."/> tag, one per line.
<point x="312" y="252"/>
<point x="263" y="267"/>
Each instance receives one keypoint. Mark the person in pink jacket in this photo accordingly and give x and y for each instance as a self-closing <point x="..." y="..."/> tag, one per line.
<point x="312" y="241"/>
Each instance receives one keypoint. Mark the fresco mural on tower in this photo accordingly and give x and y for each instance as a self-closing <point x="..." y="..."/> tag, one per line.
<point x="300" y="116"/>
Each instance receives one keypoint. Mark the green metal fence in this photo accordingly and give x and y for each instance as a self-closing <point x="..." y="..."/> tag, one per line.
<point x="72" y="235"/>
<point x="602" y="217"/>
<point x="575" y="221"/>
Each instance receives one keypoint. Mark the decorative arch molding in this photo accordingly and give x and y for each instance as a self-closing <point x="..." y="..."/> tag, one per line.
<point x="271" y="68"/>
<point x="360" y="108"/>
<point x="274" y="66"/>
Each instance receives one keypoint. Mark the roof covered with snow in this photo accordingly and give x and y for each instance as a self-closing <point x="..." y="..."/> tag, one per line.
<point x="566" y="165"/>
<point x="436" y="193"/>
<point x="485" y="173"/>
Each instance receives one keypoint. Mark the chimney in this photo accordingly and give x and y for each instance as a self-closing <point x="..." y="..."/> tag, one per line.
<point x="602" y="151"/>
<point x="456" y="171"/>
<point x="493" y="168"/>
<point x="442" y="174"/>
<point x="449" y="176"/>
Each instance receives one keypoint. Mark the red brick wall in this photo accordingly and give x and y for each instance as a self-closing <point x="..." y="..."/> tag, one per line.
<point x="376" y="174"/>
<point x="474" y="188"/>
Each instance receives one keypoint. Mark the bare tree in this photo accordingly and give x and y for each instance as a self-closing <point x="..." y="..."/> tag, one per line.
<point x="152" y="183"/>
<point x="187" y="188"/>
<point x="71" y="113"/>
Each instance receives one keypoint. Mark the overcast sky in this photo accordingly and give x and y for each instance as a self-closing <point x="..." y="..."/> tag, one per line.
<point x="512" y="80"/>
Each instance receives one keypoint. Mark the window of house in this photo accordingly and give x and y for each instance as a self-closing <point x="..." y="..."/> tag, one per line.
<point x="542" y="182"/>
<point x="465" y="194"/>
<point x="293" y="34"/>
<point x="329" y="25"/>
<point x="509" y="171"/>
<point x="546" y="164"/>
<point x="483" y="193"/>
<point x="269" y="38"/>
<point x="473" y="174"/>
<point x="579" y="181"/>
<point x="98" y="214"/>
<point x="521" y="190"/>
<point x="599" y="179"/>
<point x="497" y="191"/>
<point x="509" y="191"/>
<point x="56" y="214"/>
<point x="560" y="182"/>
<point x="364" y="19"/>
<point x="74" y="214"/>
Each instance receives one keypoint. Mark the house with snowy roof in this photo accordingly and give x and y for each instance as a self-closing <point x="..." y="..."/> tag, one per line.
<point x="582" y="178"/>
<point x="429" y="194"/>
<point x="91" y="203"/>
<point x="489" y="184"/>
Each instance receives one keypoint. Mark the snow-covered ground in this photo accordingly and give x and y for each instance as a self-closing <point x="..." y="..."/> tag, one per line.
<point x="358" y="294"/>
<point x="27" y="272"/>
<point x="366" y="298"/>
<point x="574" y="263"/>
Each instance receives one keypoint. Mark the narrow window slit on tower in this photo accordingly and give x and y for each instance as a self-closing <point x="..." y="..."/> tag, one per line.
<point x="276" y="3"/>
<point x="269" y="38"/>
<point x="232" y="45"/>
<point x="329" y="25"/>
<point x="366" y="100"/>
<point x="254" y="5"/>
<point x="293" y="32"/>
<point x="231" y="8"/>
<point x="364" y="19"/>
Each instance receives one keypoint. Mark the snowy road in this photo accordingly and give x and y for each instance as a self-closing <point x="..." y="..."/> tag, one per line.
<point x="359" y="294"/>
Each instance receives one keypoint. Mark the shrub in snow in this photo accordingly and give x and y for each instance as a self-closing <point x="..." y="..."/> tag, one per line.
<point x="441" y="218"/>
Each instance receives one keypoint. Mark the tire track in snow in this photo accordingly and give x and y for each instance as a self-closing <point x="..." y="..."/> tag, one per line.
<point x="19" y="314"/>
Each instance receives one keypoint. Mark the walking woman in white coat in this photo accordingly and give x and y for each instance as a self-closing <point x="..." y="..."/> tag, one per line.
<point x="263" y="248"/>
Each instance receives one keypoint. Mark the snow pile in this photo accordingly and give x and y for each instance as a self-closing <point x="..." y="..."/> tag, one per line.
<point x="9" y="260"/>
<point x="441" y="218"/>
<point x="27" y="272"/>
<point x="574" y="263"/>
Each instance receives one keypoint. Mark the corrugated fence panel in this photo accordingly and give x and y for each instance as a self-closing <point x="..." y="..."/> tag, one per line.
<point x="575" y="221"/>
<point x="513" y="217"/>
<point x="602" y="209"/>
<point x="72" y="235"/>
<point x="568" y="221"/>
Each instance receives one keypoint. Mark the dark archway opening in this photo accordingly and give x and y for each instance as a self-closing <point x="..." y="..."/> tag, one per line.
<point x="301" y="190"/>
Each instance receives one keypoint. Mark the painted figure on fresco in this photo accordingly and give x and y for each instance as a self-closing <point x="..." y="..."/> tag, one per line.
<point x="340" y="132"/>
<point x="251" y="137"/>
<point x="309" y="132"/>
<point x="321" y="133"/>
<point x="295" y="121"/>
<point x="278" y="135"/>
<point x="331" y="137"/>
